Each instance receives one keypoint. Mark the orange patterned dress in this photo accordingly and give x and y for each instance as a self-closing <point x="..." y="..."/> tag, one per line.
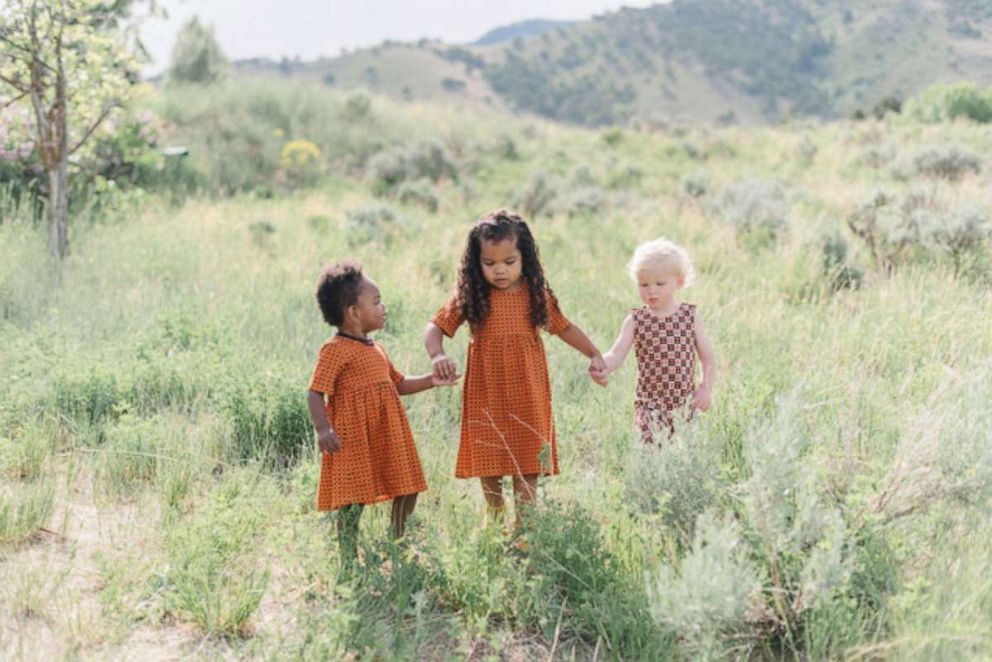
<point x="507" y="424"/>
<point x="378" y="459"/>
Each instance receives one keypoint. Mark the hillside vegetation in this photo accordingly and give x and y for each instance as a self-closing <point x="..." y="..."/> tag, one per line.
<point x="158" y="470"/>
<point x="719" y="61"/>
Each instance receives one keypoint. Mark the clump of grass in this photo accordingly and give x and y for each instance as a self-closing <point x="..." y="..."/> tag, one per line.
<point x="574" y="587"/>
<point x="215" y="577"/>
<point x="269" y="421"/>
<point x="131" y="456"/>
<point x="26" y="453"/>
<point x="25" y="510"/>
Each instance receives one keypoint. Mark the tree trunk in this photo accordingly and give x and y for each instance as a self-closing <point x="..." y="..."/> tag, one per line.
<point x="58" y="211"/>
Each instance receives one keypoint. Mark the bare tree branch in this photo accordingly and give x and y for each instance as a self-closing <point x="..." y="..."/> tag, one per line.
<point x="23" y="93"/>
<point x="93" y="127"/>
<point x="18" y="85"/>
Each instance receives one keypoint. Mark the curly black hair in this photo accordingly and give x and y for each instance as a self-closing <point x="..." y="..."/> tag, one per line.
<point x="473" y="290"/>
<point x="338" y="288"/>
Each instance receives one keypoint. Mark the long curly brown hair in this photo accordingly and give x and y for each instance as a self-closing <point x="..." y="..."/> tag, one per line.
<point x="473" y="290"/>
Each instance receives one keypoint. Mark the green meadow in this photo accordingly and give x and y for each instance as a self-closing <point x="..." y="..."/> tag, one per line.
<point x="158" y="470"/>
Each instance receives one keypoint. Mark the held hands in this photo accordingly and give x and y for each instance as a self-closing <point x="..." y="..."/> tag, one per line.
<point x="327" y="441"/>
<point x="444" y="372"/>
<point x="598" y="370"/>
<point x="441" y="381"/>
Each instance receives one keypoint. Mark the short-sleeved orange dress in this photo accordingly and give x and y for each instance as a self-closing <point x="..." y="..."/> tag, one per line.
<point x="378" y="459"/>
<point x="507" y="424"/>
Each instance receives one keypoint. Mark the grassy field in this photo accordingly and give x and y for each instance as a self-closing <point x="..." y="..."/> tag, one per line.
<point x="158" y="473"/>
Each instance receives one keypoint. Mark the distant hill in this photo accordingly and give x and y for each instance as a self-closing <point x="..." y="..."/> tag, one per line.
<point x="723" y="61"/>
<point x="510" y="32"/>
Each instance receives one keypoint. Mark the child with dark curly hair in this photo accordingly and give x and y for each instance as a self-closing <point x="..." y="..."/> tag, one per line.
<point x="367" y="449"/>
<point x="507" y="425"/>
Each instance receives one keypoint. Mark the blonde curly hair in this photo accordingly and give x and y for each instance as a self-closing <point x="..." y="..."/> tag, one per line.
<point x="662" y="254"/>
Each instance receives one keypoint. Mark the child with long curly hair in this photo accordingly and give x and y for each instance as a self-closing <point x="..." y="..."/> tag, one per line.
<point x="507" y="425"/>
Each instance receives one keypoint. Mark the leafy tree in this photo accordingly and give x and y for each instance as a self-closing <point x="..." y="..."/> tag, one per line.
<point x="196" y="57"/>
<point x="67" y="60"/>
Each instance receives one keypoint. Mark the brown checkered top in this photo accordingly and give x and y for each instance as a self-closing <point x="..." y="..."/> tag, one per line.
<point x="666" y="365"/>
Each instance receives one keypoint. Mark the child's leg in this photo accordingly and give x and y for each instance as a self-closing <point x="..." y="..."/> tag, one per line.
<point x="492" y="491"/>
<point x="348" y="517"/>
<point x="402" y="507"/>
<point x="524" y="495"/>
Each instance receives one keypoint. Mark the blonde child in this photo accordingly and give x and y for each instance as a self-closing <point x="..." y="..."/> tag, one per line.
<point x="667" y="336"/>
<point x="507" y="425"/>
<point x="367" y="450"/>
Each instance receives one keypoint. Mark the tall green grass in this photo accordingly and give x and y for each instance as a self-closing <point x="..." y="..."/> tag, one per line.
<point x="831" y="504"/>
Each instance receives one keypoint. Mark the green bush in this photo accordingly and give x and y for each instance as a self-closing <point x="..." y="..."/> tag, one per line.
<point x="576" y="586"/>
<point x="944" y="102"/>
<point x="269" y="420"/>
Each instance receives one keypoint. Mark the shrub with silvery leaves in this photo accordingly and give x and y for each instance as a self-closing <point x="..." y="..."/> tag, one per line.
<point x="758" y="209"/>
<point x="695" y="185"/>
<point x="707" y="597"/>
<point x="537" y="196"/>
<point x="949" y="162"/>
<point x="677" y="482"/>
<point x="582" y="201"/>
<point x="800" y="537"/>
<point x="893" y="225"/>
<point x="425" y="159"/>
<point x="418" y="193"/>
<point x="371" y="222"/>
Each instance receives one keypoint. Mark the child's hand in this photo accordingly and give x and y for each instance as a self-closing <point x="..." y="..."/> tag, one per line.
<point x="701" y="398"/>
<point x="598" y="370"/>
<point x="598" y="376"/>
<point x="444" y="369"/>
<point x="438" y="381"/>
<point x="327" y="441"/>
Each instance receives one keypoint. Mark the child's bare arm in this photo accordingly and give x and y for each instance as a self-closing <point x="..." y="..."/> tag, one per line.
<point x="703" y="394"/>
<point x="614" y="358"/>
<point x="411" y="385"/>
<point x="574" y="337"/>
<point x="444" y="369"/>
<point x="327" y="438"/>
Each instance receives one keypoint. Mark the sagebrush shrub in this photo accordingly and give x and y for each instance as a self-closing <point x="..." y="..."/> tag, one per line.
<point x="950" y="162"/>
<point x="536" y="196"/>
<point x="418" y="193"/>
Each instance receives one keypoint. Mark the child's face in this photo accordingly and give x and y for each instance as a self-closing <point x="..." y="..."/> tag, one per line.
<point x="657" y="287"/>
<point x="502" y="264"/>
<point x="370" y="310"/>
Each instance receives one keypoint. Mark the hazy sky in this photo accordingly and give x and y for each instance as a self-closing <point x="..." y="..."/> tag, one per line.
<point x="310" y="28"/>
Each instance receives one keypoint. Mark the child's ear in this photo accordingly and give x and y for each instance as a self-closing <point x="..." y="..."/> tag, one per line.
<point x="681" y="282"/>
